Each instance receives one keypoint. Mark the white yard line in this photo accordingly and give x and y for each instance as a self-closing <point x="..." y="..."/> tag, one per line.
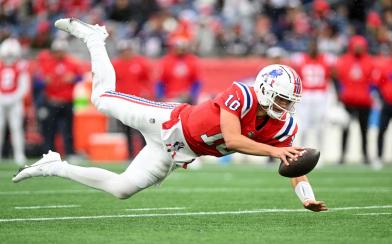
<point x="152" y="209"/>
<point x="365" y="207"/>
<point x="240" y="212"/>
<point x="44" y="207"/>
<point x="164" y="189"/>
<point x="374" y="214"/>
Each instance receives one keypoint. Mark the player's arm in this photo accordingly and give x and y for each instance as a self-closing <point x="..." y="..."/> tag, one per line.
<point x="235" y="141"/>
<point x="304" y="191"/>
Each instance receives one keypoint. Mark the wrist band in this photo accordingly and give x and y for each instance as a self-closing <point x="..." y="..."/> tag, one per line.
<point x="304" y="191"/>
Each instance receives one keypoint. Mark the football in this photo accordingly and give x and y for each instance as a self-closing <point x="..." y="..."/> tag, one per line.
<point x="302" y="166"/>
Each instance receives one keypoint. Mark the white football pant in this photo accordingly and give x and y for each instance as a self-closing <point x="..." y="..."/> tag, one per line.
<point x="13" y="114"/>
<point x="153" y="163"/>
<point x="311" y="113"/>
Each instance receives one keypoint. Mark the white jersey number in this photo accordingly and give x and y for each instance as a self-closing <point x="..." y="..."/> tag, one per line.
<point x="313" y="75"/>
<point x="233" y="105"/>
<point x="210" y="140"/>
<point x="7" y="80"/>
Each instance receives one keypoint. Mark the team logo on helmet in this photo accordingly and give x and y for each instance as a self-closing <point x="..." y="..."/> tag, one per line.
<point x="275" y="73"/>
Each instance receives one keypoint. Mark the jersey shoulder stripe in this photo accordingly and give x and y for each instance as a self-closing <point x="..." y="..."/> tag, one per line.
<point x="248" y="98"/>
<point x="287" y="129"/>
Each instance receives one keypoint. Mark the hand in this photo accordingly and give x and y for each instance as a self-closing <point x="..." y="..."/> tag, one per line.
<point x="315" y="206"/>
<point x="69" y="77"/>
<point x="287" y="154"/>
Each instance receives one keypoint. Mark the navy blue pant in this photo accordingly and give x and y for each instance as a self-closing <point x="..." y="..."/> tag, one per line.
<point x="362" y="113"/>
<point x="385" y="117"/>
<point x="59" y="119"/>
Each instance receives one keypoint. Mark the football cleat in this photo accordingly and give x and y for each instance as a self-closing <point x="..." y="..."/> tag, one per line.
<point x="81" y="29"/>
<point x="43" y="167"/>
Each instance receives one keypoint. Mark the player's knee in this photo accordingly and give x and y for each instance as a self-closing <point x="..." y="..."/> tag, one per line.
<point x="123" y="189"/>
<point x="99" y="104"/>
<point x="123" y="194"/>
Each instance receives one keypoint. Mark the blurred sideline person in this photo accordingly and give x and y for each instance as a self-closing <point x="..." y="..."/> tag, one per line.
<point x="354" y="72"/>
<point x="244" y="119"/>
<point x="384" y="83"/>
<point x="14" y="84"/>
<point x="133" y="78"/>
<point x="314" y="69"/>
<point x="58" y="73"/>
<point x="179" y="80"/>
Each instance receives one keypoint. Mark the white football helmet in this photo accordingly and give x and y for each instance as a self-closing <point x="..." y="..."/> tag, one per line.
<point x="10" y="50"/>
<point x="276" y="83"/>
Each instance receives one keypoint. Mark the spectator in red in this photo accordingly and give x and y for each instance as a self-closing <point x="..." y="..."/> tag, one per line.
<point x="58" y="72"/>
<point x="385" y="89"/>
<point x="179" y="79"/>
<point x="354" y="70"/>
<point x="132" y="77"/>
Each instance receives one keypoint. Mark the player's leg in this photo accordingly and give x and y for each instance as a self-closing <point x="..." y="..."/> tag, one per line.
<point x="304" y="115"/>
<point x="363" y="115"/>
<point x="15" y="118"/>
<point x="2" y="128"/>
<point x="319" y="123"/>
<point x="67" y="129"/>
<point x="130" y="110"/>
<point x="49" y="125"/>
<point x="345" y="134"/>
<point x="150" y="167"/>
<point x="385" y="117"/>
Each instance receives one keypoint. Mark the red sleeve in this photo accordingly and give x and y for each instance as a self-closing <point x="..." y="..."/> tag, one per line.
<point x="231" y="100"/>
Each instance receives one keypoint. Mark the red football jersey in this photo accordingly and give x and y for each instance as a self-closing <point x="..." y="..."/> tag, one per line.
<point x="178" y="74"/>
<point x="9" y="76"/>
<point x="56" y="70"/>
<point x="383" y="77"/>
<point x="314" y="72"/>
<point x="201" y="123"/>
<point x="355" y="75"/>
<point x="132" y="76"/>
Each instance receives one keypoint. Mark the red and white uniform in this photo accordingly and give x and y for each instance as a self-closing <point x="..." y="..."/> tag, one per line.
<point x="201" y="123"/>
<point x="14" y="82"/>
<point x="133" y="76"/>
<point x="179" y="133"/>
<point x="178" y="74"/>
<point x="315" y="74"/>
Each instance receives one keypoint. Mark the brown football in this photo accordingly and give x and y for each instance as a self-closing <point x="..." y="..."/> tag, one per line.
<point x="302" y="166"/>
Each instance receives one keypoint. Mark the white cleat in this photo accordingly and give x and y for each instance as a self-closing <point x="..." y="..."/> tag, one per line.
<point x="43" y="167"/>
<point x="376" y="164"/>
<point x="81" y="29"/>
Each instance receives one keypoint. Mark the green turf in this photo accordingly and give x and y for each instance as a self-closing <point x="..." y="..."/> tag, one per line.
<point x="216" y="189"/>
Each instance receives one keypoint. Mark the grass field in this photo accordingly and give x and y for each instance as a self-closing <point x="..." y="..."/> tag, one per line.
<point x="216" y="204"/>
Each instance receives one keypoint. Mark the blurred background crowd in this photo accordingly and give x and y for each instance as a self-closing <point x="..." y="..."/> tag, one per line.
<point x="164" y="50"/>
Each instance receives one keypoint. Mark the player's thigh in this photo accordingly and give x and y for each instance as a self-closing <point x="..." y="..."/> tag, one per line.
<point x="2" y="115"/>
<point x="150" y="166"/>
<point x="145" y="116"/>
<point x="15" y="116"/>
<point x="304" y="114"/>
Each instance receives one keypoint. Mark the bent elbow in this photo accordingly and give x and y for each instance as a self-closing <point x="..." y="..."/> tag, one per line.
<point x="231" y="144"/>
